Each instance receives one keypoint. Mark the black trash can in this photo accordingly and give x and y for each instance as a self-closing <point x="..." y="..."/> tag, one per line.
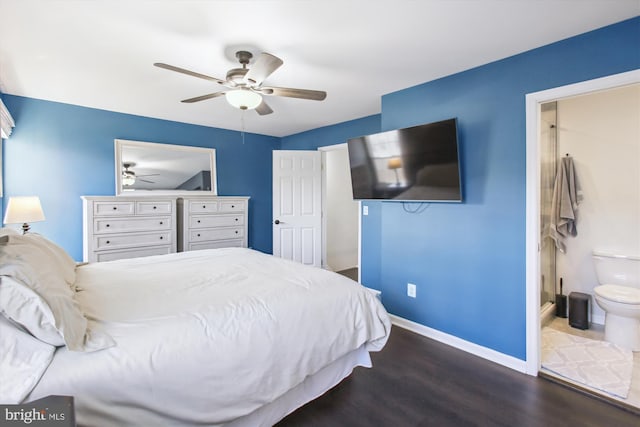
<point x="579" y="310"/>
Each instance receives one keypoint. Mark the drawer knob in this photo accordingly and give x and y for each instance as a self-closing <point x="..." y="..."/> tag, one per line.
<point x="115" y="208"/>
<point x="161" y="222"/>
<point x="236" y="231"/>
<point x="155" y="207"/>
<point x="204" y="206"/>
<point x="198" y="234"/>
<point x="107" y="225"/>
<point x="233" y="206"/>
<point x="161" y="237"/>
<point x="198" y="221"/>
<point x="236" y="219"/>
<point x="108" y="242"/>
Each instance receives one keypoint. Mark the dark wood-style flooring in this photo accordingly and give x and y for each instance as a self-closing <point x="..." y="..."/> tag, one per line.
<point x="416" y="381"/>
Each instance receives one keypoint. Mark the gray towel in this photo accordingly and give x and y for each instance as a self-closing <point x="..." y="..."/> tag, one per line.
<point x="564" y="204"/>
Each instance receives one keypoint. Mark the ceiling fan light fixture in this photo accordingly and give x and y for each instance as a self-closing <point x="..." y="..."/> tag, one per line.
<point x="128" y="178"/>
<point x="243" y="99"/>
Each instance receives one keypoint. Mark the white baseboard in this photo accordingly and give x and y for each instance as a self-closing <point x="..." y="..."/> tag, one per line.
<point x="597" y="319"/>
<point x="475" y="349"/>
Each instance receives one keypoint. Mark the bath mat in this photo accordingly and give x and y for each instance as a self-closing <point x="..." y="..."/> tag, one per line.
<point x="598" y="364"/>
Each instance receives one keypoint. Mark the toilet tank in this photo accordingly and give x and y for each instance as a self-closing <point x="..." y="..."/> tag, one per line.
<point x="616" y="269"/>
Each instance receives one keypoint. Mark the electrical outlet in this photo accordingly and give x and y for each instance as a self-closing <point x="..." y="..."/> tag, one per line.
<point x="411" y="290"/>
<point x="365" y="210"/>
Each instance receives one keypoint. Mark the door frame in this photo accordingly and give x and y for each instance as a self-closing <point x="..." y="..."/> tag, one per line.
<point x="324" y="149"/>
<point x="533" y="103"/>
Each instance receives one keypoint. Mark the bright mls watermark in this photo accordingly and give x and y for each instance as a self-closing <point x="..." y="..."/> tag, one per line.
<point x="54" y="411"/>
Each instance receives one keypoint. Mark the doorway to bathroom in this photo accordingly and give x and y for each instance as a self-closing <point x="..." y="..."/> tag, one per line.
<point x="340" y="214"/>
<point x="585" y="122"/>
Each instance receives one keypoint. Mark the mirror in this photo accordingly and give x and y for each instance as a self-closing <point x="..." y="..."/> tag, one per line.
<point x="151" y="168"/>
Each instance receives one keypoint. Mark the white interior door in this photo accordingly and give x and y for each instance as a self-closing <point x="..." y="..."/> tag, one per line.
<point x="297" y="206"/>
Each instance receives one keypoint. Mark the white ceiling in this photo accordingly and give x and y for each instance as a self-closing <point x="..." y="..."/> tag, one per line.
<point x="99" y="53"/>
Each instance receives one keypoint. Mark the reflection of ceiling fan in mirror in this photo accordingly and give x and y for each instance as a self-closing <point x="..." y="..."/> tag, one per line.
<point x="129" y="177"/>
<point x="245" y="85"/>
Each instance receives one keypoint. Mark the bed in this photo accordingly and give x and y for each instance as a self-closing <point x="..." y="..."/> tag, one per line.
<point x="213" y="337"/>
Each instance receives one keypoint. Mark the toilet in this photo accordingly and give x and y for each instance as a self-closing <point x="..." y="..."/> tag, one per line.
<point x="619" y="296"/>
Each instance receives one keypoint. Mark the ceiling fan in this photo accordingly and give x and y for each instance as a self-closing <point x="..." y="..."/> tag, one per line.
<point x="129" y="177"/>
<point x="245" y="84"/>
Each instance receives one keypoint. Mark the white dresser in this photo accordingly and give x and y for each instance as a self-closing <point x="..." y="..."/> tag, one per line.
<point x="208" y="222"/>
<point x="127" y="227"/>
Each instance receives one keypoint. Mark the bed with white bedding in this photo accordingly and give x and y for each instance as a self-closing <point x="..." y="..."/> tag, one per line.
<point x="214" y="337"/>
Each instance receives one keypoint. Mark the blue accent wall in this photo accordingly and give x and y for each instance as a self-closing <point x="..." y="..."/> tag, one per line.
<point x="60" y="152"/>
<point x="468" y="259"/>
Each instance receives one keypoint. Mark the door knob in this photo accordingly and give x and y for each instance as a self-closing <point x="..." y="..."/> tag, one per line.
<point x="277" y="221"/>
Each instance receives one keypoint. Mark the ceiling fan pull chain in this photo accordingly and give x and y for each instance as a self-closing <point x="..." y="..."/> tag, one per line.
<point x="242" y="124"/>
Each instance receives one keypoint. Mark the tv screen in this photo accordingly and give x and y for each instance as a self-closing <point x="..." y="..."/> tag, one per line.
<point x="418" y="163"/>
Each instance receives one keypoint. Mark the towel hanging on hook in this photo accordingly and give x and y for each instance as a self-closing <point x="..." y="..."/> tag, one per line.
<point x="564" y="204"/>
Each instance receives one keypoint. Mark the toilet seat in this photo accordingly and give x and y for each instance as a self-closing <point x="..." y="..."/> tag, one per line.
<point x="620" y="294"/>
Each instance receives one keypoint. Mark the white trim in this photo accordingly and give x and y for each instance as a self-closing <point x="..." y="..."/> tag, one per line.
<point x="323" y="208"/>
<point x="533" y="102"/>
<point x="6" y="122"/>
<point x="453" y="341"/>
<point x="340" y="146"/>
<point x="359" y="241"/>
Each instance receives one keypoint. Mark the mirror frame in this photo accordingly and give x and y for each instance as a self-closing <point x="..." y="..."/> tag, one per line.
<point x="119" y="144"/>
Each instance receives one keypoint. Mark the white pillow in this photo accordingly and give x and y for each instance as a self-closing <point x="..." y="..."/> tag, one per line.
<point x="23" y="360"/>
<point x="65" y="265"/>
<point x="4" y="231"/>
<point x="52" y="315"/>
<point x="25" y="307"/>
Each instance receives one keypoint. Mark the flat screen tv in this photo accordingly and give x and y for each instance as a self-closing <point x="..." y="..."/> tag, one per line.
<point x="418" y="163"/>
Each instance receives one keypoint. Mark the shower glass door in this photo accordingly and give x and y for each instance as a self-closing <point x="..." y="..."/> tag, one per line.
<point x="548" y="162"/>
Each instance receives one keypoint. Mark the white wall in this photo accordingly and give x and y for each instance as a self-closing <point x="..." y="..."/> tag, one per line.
<point x="601" y="131"/>
<point x="342" y="212"/>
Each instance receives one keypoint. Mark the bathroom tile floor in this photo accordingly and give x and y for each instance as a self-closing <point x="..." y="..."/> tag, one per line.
<point x="596" y="332"/>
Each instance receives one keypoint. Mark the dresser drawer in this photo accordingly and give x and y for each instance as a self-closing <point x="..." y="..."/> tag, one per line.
<point x="130" y="240"/>
<point x="216" y="244"/>
<point x="206" y="221"/>
<point x="203" y="206"/>
<point x="117" y="225"/>
<point x="231" y="206"/>
<point x="216" y="234"/>
<point x="133" y="253"/>
<point x="113" y="208"/>
<point x="154" y="208"/>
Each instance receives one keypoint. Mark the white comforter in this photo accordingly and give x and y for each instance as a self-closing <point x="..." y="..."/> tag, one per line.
<point x="205" y="337"/>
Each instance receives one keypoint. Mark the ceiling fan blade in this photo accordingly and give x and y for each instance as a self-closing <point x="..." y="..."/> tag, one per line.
<point x="262" y="68"/>
<point x="315" y="95"/>
<point x="263" y="109"/>
<point x="188" y="72"/>
<point x="203" y="97"/>
<point x="145" y="180"/>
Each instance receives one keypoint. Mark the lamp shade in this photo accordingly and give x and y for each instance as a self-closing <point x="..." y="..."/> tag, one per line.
<point x="23" y="210"/>
<point x="243" y="99"/>
<point x="394" y="163"/>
